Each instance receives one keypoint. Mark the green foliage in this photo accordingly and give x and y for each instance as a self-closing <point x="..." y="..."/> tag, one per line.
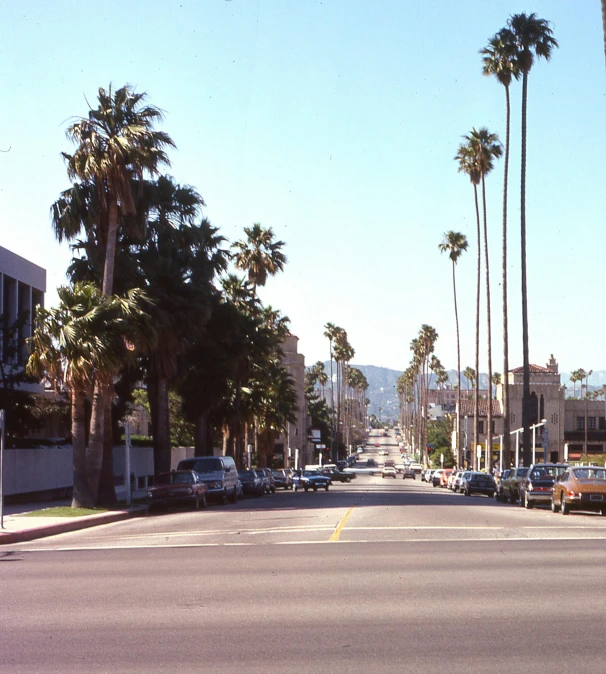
<point x="600" y="459"/>
<point x="439" y="434"/>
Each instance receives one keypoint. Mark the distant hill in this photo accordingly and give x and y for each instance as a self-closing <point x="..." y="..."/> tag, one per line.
<point x="382" y="386"/>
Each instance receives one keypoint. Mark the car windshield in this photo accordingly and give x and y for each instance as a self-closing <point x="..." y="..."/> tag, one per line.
<point x="546" y="472"/>
<point x="310" y="473"/>
<point x="247" y="473"/>
<point x="277" y="473"/>
<point x="174" y="478"/>
<point x="208" y="465"/>
<point x="590" y="473"/>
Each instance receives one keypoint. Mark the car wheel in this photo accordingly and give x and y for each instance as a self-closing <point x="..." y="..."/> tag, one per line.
<point x="603" y="512"/>
<point x="315" y="487"/>
<point x="326" y="487"/>
<point x="528" y="504"/>
<point x="555" y="508"/>
<point x="202" y="503"/>
<point x="306" y="489"/>
<point x="224" y="498"/>
<point x="234" y="496"/>
<point x="467" y="492"/>
<point x="520" y="500"/>
<point x="565" y="507"/>
<point x="512" y="499"/>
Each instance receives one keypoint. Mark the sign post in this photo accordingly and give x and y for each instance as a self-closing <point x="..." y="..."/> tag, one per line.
<point x="129" y="491"/>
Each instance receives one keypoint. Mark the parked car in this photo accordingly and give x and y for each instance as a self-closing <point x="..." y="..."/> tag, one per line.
<point x="445" y="476"/>
<point x="268" y="480"/>
<point x="218" y="472"/>
<point x="499" y="484"/>
<point x="510" y="490"/>
<point x="311" y="479"/>
<point x="436" y="477"/>
<point x="463" y="480"/>
<point x="456" y="480"/>
<point x="479" y="483"/>
<point x="252" y="483"/>
<point x="282" y="479"/>
<point x="177" y="488"/>
<point x="580" y="488"/>
<point x="388" y="471"/>
<point x="408" y="473"/>
<point x="428" y="474"/>
<point x="538" y="483"/>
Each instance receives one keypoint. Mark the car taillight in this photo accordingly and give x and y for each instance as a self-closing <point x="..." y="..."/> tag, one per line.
<point x="571" y="493"/>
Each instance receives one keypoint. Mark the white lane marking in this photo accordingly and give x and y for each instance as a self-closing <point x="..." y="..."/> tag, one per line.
<point x="322" y="542"/>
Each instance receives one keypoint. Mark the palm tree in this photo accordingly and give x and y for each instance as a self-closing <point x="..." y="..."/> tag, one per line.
<point x="532" y="38"/>
<point x="466" y="157"/>
<point x="117" y="147"/>
<point x="486" y="147"/>
<point x="83" y="340"/>
<point x="259" y="256"/>
<point x="455" y="244"/>
<point x="330" y="332"/>
<point x="499" y="59"/>
<point x="603" y="24"/>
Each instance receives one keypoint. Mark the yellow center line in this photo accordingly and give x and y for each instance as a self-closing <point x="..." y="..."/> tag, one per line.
<point x="337" y="532"/>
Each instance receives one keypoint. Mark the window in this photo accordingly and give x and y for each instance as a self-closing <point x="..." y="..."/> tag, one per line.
<point x="580" y="423"/>
<point x="591" y="423"/>
<point x="602" y="424"/>
<point x="480" y="427"/>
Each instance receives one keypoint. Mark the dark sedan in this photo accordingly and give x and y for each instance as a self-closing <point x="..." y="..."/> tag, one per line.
<point x="252" y="483"/>
<point x="536" y="487"/>
<point x="338" y="475"/>
<point x="181" y="487"/>
<point x="479" y="483"/>
<point x="311" y="479"/>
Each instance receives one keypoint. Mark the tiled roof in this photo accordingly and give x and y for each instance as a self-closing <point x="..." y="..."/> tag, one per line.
<point x="537" y="369"/>
<point x="467" y="407"/>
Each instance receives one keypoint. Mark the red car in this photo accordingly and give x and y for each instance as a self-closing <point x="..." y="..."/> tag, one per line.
<point x="177" y="488"/>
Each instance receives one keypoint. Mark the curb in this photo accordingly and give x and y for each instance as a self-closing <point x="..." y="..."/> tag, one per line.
<point x="72" y="524"/>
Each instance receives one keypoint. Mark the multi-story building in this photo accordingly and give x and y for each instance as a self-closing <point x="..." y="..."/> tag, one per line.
<point x="561" y="429"/>
<point x="22" y="288"/>
<point x="295" y="442"/>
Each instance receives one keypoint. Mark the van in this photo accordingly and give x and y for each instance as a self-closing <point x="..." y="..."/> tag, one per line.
<point x="218" y="472"/>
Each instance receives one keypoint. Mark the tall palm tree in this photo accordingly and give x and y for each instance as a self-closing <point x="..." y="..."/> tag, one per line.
<point x="499" y="59"/>
<point x="533" y="38"/>
<point x="604" y="24"/>
<point x="455" y="244"/>
<point x="486" y="147"/>
<point x="330" y="332"/>
<point x="259" y="255"/>
<point x="117" y="146"/>
<point x="466" y="157"/>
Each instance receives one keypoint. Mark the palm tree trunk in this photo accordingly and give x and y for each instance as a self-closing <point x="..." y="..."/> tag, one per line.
<point x="505" y="380"/>
<point x="458" y="420"/>
<point x="162" y="451"/>
<point x="489" y="336"/>
<point x="110" y="247"/>
<point x="95" y="445"/>
<point x="81" y="496"/>
<point x="604" y="24"/>
<point x="476" y="397"/>
<point x="106" y="497"/>
<point x="525" y="348"/>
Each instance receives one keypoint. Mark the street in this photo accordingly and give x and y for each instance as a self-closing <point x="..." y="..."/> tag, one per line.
<point x="376" y="575"/>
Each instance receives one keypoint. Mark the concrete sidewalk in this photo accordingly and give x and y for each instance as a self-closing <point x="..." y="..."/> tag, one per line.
<point x="20" y="526"/>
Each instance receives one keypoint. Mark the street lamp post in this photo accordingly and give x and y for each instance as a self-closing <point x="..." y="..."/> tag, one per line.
<point x="517" y="432"/>
<point x="534" y="441"/>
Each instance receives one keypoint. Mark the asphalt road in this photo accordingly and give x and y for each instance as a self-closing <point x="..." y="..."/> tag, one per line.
<point x="380" y="575"/>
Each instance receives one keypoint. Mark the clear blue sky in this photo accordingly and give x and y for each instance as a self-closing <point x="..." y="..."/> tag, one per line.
<point x="335" y="122"/>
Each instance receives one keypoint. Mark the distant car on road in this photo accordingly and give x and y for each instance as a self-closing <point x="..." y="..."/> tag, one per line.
<point x="181" y="487"/>
<point x="408" y="474"/>
<point x="388" y="471"/>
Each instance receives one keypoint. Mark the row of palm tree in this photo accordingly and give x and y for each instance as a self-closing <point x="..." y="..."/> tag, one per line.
<point x="151" y="301"/>
<point x="510" y="54"/>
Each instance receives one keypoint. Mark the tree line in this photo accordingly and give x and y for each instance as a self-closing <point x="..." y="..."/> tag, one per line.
<point x="152" y="308"/>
